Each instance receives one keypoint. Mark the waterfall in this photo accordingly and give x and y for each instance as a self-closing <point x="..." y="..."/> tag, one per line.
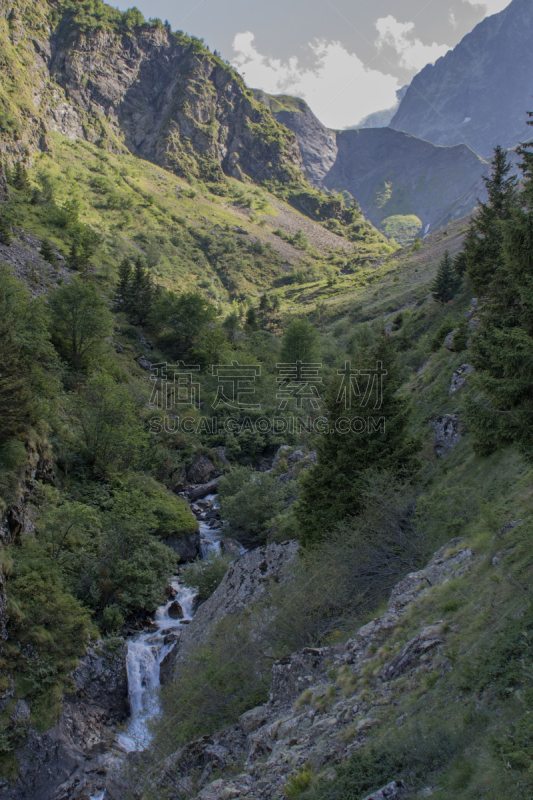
<point x="147" y="650"/>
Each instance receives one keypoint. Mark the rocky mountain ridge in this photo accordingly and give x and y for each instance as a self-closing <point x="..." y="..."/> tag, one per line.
<point x="390" y="173"/>
<point x="479" y="92"/>
<point x="162" y="95"/>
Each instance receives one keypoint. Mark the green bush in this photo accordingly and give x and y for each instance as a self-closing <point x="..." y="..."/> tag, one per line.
<point x="249" y="502"/>
<point x="206" y="575"/>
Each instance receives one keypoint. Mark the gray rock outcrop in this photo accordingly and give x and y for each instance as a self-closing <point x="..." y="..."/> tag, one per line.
<point x="162" y="95"/>
<point x="310" y="713"/>
<point x="68" y="761"/>
<point x="244" y="583"/>
<point x="447" y="434"/>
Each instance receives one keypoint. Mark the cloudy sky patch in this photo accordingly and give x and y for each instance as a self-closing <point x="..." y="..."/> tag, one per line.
<point x="346" y="58"/>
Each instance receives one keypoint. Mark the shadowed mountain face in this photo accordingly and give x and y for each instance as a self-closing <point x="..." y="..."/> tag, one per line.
<point x="390" y="173"/>
<point x="119" y="81"/>
<point x="478" y="93"/>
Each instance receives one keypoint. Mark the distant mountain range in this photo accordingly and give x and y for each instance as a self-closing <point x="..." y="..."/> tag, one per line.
<point x="428" y="164"/>
<point x="390" y="173"/>
<point x="479" y="92"/>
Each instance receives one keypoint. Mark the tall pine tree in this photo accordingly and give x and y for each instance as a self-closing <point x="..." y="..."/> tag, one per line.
<point x="501" y="411"/>
<point x="140" y="294"/>
<point x="334" y="489"/>
<point x="447" y="282"/>
<point x="484" y="242"/>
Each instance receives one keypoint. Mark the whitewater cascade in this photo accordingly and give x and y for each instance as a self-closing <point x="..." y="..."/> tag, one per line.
<point x="147" y="650"/>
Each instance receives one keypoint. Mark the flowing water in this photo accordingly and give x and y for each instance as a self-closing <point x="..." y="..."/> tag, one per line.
<point x="147" y="650"/>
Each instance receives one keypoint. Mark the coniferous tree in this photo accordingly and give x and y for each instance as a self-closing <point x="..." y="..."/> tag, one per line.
<point x="47" y="252"/>
<point x="251" y="319"/>
<point x="447" y="281"/>
<point x="140" y="294"/>
<point x="501" y="411"/>
<point x="333" y="490"/>
<point x="123" y="285"/>
<point x="483" y="245"/>
<point x="20" y="178"/>
<point x="5" y="232"/>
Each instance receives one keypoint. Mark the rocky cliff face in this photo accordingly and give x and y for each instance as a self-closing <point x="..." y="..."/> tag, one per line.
<point x="163" y="95"/>
<point x="388" y="172"/>
<point x="316" y="714"/>
<point x="391" y="173"/>
<point x="478" y="93"/>
<point x="70" y="760"/>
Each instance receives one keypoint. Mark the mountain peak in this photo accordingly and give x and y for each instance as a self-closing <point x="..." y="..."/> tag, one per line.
<point x="479" y="92"/>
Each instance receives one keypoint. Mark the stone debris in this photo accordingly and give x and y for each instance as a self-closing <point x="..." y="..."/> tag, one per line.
<point x="459" y="377"/>
<point x="312" y="716"/>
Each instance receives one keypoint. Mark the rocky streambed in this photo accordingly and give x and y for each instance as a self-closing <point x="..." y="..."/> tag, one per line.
<point x="114" y="691"/>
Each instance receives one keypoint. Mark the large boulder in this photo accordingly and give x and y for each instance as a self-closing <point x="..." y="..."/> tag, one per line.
<point x="244" y="583"/>
<point x="186" y="547"/>
<point x="447" y="434"/>
<point x="202" y="469"/>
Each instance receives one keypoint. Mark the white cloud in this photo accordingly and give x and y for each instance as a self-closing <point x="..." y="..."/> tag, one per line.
<point x="492" y="6"/>
<point x="338" y="88"/>
<point x="414" y="55"/>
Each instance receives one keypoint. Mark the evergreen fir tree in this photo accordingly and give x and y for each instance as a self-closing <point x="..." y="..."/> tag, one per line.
<point x="16" y="403"/>
<point x="264" y="302"/>
<point x="47" y="252"/>
<point x="333" y="490"/>
<point x="483" y="246"/>
<point x="501" y="411"/>
<point x="447" y="281"/>
<point x="5" y="232"/>
<point x="20" y="178"/>
<point x="251" y="319"/>
<point x="74" y="261"/>
<point x="139" y="298"/>
<point x="123" y="285"/>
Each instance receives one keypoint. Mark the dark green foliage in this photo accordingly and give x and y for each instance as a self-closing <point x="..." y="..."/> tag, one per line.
<point x="20" y="178"/>
<point x="502" y="350"/>
<point x="414" y="760"/>
<point x="447" y="281"/>
<point x="300" y="343"/>
<point x="483" y="245"/>
<point x="438" y="339"/>
<point x="460" y="262"/>
<point x="460" y="337"/>
<point x="80" y="322"/>
<point x="205" y="575"/>
<point x="5" y="231"/>
<point x="48" y="253"/>
<point x="84" y="245"/>
<point x="110" y="435"/>
<point x="249" y="503"/>
<point x="182" y="319"/>
<point x="135" y="291"/>
<point x="124" y="283"/>
<point x="251" y="319"/>
<point x="213" y="686"/>
<point x="24" y="344"/>
<point x="334" y="489"/>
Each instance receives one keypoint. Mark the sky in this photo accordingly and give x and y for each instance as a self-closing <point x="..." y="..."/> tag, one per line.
<point x="346" y="58"/>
